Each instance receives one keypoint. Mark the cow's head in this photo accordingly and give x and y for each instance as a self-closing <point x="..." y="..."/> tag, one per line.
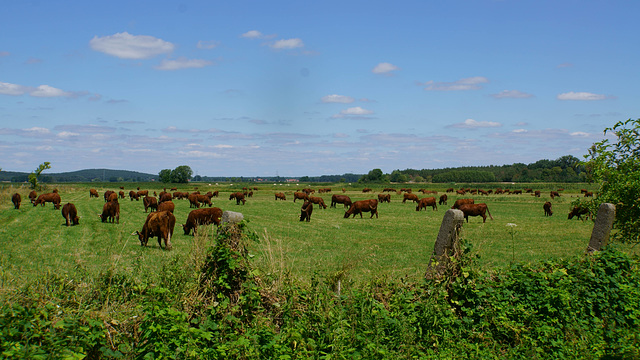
<point x="143" y="239"/>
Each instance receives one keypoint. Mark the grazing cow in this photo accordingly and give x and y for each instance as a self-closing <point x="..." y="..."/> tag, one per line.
<point x="280" y="196"/>
<point x="410" y="196"/>
<point x="308" y="191"/>
<point x="443" y="199"/>
<point x="143" y="193"/>
<point x="204" y="216"/>
<point x="305" y="211"/>
<point x="110" y="211"/>
<point x="113" y="196"/>
<point x="93" y="193"/>
<point x="450" y="190"/>
<point x="461" y="192"/>
<point x="159" y="224"/>
<point x="389" y="190"/>
<point x="239" y="196"/>
<point x="384" y="198"/>
<point x="107" y="195"/>
<point x="166" y="206"/>
<point x="528" y="190"/>
<point x="588" y="194"/>
<point x="121" y="194"/>
<point x="300" y="195"/>
<point x="16" y="199"/>
<point x="582" y="191"/>
<point x="193" y="200"/>
<point x="475" y="210"/>
<point x="215" y="193"/>
<point x="150" y="202"/>
<point x="547" y="209"/>
<point x="517" y="192"/>
<point x="342" y="199"/>
<point x="579" y="211"/>
<point x="424" y="202"/>
<point x="53" y="198"/>
<point x="366" y="190"/>
<point x="461" y="202"/>
<point x="318" y="201"/>
<point x="360" y="206"/>
<point x="134" y="195"/>
<point x="33" y="195"/>
<point x="536" y="193"/>
<point x="165" y="197"/>
<point x="70" y="214"/>
<point x="554" y="194"/>
<point x="173" y="189"/>
<point x="482" y="192"/>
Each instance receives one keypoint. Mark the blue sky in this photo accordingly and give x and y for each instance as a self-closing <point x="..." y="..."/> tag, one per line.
<point x="295" y="88"/>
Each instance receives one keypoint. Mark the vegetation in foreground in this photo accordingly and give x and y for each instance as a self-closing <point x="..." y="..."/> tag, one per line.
<point x="217" y="305"/>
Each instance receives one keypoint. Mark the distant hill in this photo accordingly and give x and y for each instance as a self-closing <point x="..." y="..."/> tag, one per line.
<point x="87" y="175"/>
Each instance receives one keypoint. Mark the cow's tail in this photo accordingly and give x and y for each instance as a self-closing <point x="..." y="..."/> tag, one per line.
<point x="489" y="212"/>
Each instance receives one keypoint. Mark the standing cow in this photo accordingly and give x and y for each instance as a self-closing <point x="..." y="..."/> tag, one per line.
<point x="358" y="207"/>
<point x="16" y="199"/>
<point x="70" y="214"/>
<point x="159" y="224"/>
<point x="547" y="209"/>
<point x="428" y="201"/>
<point x="305" y="211"/>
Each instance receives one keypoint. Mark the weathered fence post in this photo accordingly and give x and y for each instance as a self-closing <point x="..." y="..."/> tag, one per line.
<point x="447" y="242"/>
<point x="602" y="227"/>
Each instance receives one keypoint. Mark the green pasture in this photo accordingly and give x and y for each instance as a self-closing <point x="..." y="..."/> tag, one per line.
<point x="34" y="240"/>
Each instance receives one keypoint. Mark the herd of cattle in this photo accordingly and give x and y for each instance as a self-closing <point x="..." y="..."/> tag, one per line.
<point x="161" y="221"/>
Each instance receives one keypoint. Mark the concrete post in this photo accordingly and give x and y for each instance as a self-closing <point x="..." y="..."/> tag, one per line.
<point x="447" y="241"/>
<point x="602" y="227"/>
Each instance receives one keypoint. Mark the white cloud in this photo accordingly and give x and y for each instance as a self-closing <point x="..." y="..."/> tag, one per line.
<point x="356" y="111"/>
<point x="384" y="68"/>
<point x="473" y="124"/>
<point x="287" y="44"/>
<point x="472" y="83"/>
<point x="127" y="46"/>
<point x="49" y="91"/>
<point x="518" y="131"/>
<point x="182" y="63"/>
<point x="337" y="99"/>
<point x="511" y="94"/>
<point x="253" y="34"/>
<point x="13" y="89"/>
<point x="67" y="134"/>
<point x="581" y="96"/>
<point x="207" y="44"/>
<point x="38" y="130"/>
<point x="579" y="133"/>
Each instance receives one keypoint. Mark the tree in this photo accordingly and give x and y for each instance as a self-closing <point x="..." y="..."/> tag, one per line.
<point x="181" y="174"/>
<point x="165" y="175"/>
<point x="614" y="166"/>
<point x="33" y="177"/>
<point x="374" y="176"/>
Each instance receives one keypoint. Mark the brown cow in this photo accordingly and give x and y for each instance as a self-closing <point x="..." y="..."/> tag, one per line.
<point x="367" y="190"/>
<point x="143" y="193"/>
<point x="204" y="199"/>
<point x="239" y="196"/>
<point x="159" y="224"/>
<point x="389" y="190"/>
<point x="342" y="199"/>
<point x="110" y="211"/>
<point x="588" y="194"/>
<point x="553" y="194"/>
<point x="579" y="211"/>
<point x="450" y="190"/>
<point x="358" y="207"/>
<point x="384" y="198"/>
<point x="204" y="216"/>
<point x="428" y="201"/>
<point x="280" y="196"/>
<point x="305" y="211"/>
<point x="166" y="206"/>
<point x="410" y="196"/>
<point x="475" y="210"/>
<point x="193" y="201"/>
<point x="547" y="209"/>
<point x="113" y="196"/>
<point x="16" y="199"/>
<point x="134" y="195"/>
<point x="443" y="199"/>
<point x="536" y="193"/>
<point x="107" y="194"/>
<point x="300" y="195"/>
<point x="461" y="202"/>
<point x="93" y="193"/>
<point x="53" y="198"/>
<point x="164" y="196"/>
<point x="33" y="195"/>
<point x="150" y="202"/>
<point x="461" y="192"/>
<point x="318" y="201"/>
<point x="121" y="194"/>
<point x="70" y="214"/>
<point x="308" y="191"/>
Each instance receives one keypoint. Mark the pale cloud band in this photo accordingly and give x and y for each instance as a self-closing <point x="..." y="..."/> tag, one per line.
<point x="355" y="112"/>
<point x="127" y="46"/>
<point x="287" y="44"/>
<point x="582" y="96"/>
<point x="474" y="124"/>
<point x="511" y="94"/>
<point x="182" y="63"/>
<point x="40" y="91"/>
<point x="337" y="99"/>
<point x="472" y="83"/>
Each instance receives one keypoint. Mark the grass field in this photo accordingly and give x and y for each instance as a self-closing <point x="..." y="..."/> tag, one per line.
<point x="34" y="240"/>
